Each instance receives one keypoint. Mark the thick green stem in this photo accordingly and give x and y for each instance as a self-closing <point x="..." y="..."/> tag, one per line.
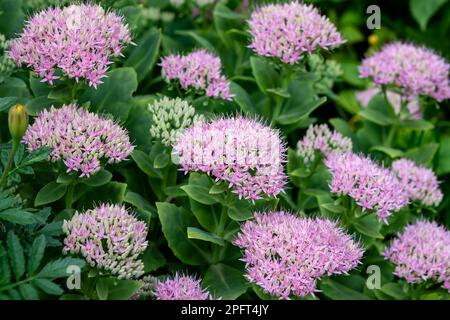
<point x="15" y="146"/>
<point x="391" y="135"/>
<point x="285" y="79"/>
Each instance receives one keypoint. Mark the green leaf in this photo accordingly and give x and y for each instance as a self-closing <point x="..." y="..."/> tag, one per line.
<point x="144" y="163"/>
<point x="424" y="154"/>
<point x="58" y="268"/>
<point x="48" y="287"/>
<point x="174" y="223"/>
<point x="202" y="42"/>
<point x="161" y="161"/>
<point x="51" y="192"/>
<point x="37" y="105"/>
<point x="423" y="10"/>
<point x="218" y="188"/>
<point x="300" y="112"/>
<point x="139" y="202"/>
<point x="280" y="92"/>
<point x="99" y="179"/>
<point x="121" y="289"/>
<point x="242" y="98"/>
<point x="265" y="75"/>
<point x="200" y="194"/>
<point x="111" y="192"/>
<point x="152" y="258"/>
<point x="336" y="291"/>
<point x="420" y="125"/>
<point x="394" y="290"/>
<point x="28" y="292"/>
<point x="102" y="289"/>
<point x="65" y="178"/>
<point x="224" y="20"/>
<point x="143" y="57"/>
<point x="36" y="253"/>
<point x="375" y="117"/>
<point x="240" y="210"/>
<point x="8" y="102"/>
<point x="225" y="282"/>
<point x="19" y="216"/>
<point x="196" y="233"/>
<point x="369" y="226"/>
<point x="443" y="166"/>
<point x="391" y="152"/>
<point x="16" y="255"/>
<point x="36" y="156"/>
<point x="114" y="96"/>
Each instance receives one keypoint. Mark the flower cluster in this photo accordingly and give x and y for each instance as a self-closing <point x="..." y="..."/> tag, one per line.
<point x="288" y="31"/>
<point x="147" y="289"/>
<point x="80" y="40"/>
<point x="170" y="117"/>
<point x="181" y="287"/>
<point x="421" y="252"/>
<point x="286" y="254"/>
<point x="241" y="151"/>
<point x="79" y="138"/>
<point x="109" y="238"/>
<point x="199" y="70"/>
<point x="319" y="138"/>
<point x="420" y="183"/>
<point x="7" y="66"/>
<point x="415" y="70"/>
<point x="372" y="186"/>
<point x="395" y="100"/>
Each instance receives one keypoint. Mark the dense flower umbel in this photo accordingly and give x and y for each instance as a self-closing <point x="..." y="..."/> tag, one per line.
<point x="372" y="186"/>
<point x="420" y="183"/>
<point x="422" y="252"/>
<point x="181" y="287"/>
<point x="109" y="238"/>
<point x="241" y="151"/>
<point x="79" y="138"/>
<point x="286" y="254"/>
<point x="170" y="117"/>
<point x="79" y="39"/>
<point x="288" y="31"/>
<point x="319" y="138"/>
<point x="199" y="70"/>
<point x="395" y="100"/>
<point x="415" y="70"/>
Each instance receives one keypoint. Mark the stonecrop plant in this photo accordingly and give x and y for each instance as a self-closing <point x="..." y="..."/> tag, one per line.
<point x="224" y="150"/>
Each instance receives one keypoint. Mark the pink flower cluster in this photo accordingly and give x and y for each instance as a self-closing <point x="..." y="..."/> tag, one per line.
<point x="288" y="31"/>
<point x="78" y="39"/>
<point x="421" y="253"/>
<point x="372" y="186"/>
<point x="80" y="138"/>
<point x="199" y="70"/>
<point x="319" y="138"/>
<point x="180" y="287"/>
<point x="285" y="254"/>
<point x="420" y="183"/>
<point x="109" y="238"/>
<point x="415" y="70"/>
<point x="395" y="100"/>
<point x="243" y="152"/>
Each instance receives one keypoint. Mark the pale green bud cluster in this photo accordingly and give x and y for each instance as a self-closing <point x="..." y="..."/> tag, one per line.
<point x="328" y="72"/>
<point x="170" y="117"/>
<point x="7" y="66"/>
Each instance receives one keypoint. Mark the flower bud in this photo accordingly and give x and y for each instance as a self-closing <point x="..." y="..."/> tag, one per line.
<point x="17" y="121"/>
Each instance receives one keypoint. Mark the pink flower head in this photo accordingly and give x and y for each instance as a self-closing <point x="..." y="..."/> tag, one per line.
<point x="416" y="71"/>
<point x="79" y="138"/>
<point x="421" y="253"/>
<point x="285" y="254"/>
<point x="181" y="287"/>
<point x="420" y="183"/>
<point x="287" y="31"/>
<point x="319" y="138"/>
<point x="109" y="238"/>
<point x="372" y="186"/>
<point x="241" y="151"/>
<point x="199" y="70"/>
<point x="80" y="40"/>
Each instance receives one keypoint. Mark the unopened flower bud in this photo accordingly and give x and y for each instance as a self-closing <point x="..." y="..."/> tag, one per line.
<point x="17" y="121"/>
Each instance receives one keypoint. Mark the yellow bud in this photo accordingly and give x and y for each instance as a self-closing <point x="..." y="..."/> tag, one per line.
<point x="373" y="39"/>
<point x="17" y="121"/>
